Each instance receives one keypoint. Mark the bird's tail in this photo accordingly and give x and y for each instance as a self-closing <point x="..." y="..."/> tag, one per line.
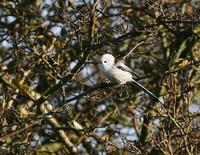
<point x="146" y="91"/>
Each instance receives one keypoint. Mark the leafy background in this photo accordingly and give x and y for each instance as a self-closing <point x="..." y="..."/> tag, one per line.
<point x="54" y="100"/>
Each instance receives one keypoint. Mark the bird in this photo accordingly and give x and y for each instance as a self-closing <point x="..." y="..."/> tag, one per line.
<point x="120" y="73"/>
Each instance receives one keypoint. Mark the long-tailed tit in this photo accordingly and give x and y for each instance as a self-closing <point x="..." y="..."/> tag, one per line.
<point x="120" y="72"/>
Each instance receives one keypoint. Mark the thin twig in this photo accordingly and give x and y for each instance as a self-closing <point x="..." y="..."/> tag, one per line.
<point x="129" y="53"/>
<point x="13" y="133"/>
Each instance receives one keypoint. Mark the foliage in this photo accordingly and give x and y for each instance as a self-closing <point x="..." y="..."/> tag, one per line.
<point x="54" y="98"/>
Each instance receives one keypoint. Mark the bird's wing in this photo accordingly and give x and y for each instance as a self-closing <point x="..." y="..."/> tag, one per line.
<point x="123" y="67"/>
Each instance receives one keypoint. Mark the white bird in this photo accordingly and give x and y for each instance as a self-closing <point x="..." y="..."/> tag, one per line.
<point x="120" y="72"/>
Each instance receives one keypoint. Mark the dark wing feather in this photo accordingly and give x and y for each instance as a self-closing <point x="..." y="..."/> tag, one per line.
<point x="123" y="67"/>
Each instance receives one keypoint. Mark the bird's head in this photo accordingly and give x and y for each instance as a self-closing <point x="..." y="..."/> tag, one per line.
<point x="107" y="62"/>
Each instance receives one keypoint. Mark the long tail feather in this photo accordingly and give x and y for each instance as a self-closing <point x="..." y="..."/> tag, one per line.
<point x="147" y="91"/>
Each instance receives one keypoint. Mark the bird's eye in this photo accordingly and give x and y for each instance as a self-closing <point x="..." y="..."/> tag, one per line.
<point x="105" y="61"/>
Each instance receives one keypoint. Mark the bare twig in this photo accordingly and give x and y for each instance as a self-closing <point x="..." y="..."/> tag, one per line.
<point x="19" y="130"/>
<point x="129" y="53"/>
<point x="54" y="122"/>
